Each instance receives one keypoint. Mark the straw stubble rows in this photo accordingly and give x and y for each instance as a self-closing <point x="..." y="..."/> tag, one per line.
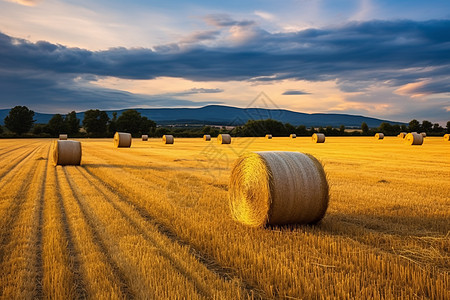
<point x="153" y="221"/>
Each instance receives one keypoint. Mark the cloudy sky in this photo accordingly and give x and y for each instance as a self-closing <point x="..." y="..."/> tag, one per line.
<point x="379" y="58"/>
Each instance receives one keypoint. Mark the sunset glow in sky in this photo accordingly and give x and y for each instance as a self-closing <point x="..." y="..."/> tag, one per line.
<point x="378" y="58"/>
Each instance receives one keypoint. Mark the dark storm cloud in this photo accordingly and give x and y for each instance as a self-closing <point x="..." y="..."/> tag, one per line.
<point x="290" y="92"/>
<point x="398" y="52"/>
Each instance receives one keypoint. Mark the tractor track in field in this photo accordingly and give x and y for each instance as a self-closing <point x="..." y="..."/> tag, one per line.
<point x="123" y="281"/>
<point x="16" y="163"/>
<point x="14" y="149"/>
<point x="210" y="263"/>
<point x="79" y="283"/>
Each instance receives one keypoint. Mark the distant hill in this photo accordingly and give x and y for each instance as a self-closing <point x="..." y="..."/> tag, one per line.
<point x="232" y="116"/>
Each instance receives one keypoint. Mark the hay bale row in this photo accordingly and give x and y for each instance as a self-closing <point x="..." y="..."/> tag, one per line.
<point x="272" y="188"/>
<point x="207" y="137"/>
<point x="423" y="134"/>
<point x="318" y="138"/>
<point x="292" y="135"/>
<point x="122" y="140"/>
<point x="66" y="152"/>
<point x="402" y="135"/>
<point x="224" y="138"/>
<point x="144" y="137"/>
<point x="379" y="136"/>
<point x="414" y="138"/>
<point x="167" y="139"/>
<point x="268" y="136"/>
<point x="447" y="137"/>
<point x="63" y="136"/>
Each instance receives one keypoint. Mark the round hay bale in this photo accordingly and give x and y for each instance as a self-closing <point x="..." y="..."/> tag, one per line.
<point x="268" y="136"/>
<point x="447" y="137"/>
<point x="63" y="136"/>
<point x="318" y="138"/>
<point x="379" y="136"/>
<point x="414" y="139"/>
<point x="402" y="135"/>
<point x="168" y="139"/>
<point x="122" y="140"/>
<point x="206" y="137"/>
<point x="66" y="153"/>
<point x="424" y="134"/>
<point x="292" y="135"/>
<point x="145" y="137"/>
<point x="275" y="188"/>
<point x="224" y="138"/>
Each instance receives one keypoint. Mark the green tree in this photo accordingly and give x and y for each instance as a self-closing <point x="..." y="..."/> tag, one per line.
<point x="386" y="128"/>
<point x="437" y="128"/>
<point x="448" y="126"/>
<point x="403" y="128"/>
<point x="56" y="125"/>
<point x="112" y="125"/>
<point x="301" y="130"/>
<point x="342" y="130"/>
<point x="72" y="123"/>
<point x="147" y="126"/>
<point x="364" y="128"/>
<point x="414" y="125"/>
<point x="1" y="129"/>
<point x="95" y="122"/>
<point x="19" y="119"/>
<point x="427" y="126"/>
<point x="131" y="121"/>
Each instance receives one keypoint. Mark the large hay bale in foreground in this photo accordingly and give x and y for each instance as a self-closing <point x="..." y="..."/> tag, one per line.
<point x="414" y="138"/>
<point x="224" y="138"/>
<point x="122" y="140"/>
<point x="402" y="135"/>
<point x="447" y="137"/>
<point x="168" y="139"/>
<point x="268" y="136"/>
<point x="277" y="188"/>
<point x="424" y="134"/>
<point x="379" y="136"/>
<point x="63" y="136"/>
<point x="144" y="137"/>
<point x="66" y="153"/>
<point x="206" y="137"/>
<point x="318" y="138"/>
<point x="292" y="135"/>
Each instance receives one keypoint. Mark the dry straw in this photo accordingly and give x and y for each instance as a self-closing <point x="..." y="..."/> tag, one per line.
<point x="318" y="138"/>
<point x="414" y="138"/>
<point x="66" y="153"/>
<point x="268" y="136"/>
<point x="293" y="136"/>
<point x="145" y="137"/>
<point x="379" y="136"/>
<point x="122" y="140"/>
<point x="167" y="139"/>
<point x="63" y="137"/>
<point x="277" y="188"/>
<point x="424" y="134"/>
<point x="224" y="138"/>
<point x="402" y="135"/>
<point x="206" y="137"/>
<point x="447" y="137"/>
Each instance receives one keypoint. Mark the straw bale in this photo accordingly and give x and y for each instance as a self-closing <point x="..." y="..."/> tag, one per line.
<point x="66" y="152"/>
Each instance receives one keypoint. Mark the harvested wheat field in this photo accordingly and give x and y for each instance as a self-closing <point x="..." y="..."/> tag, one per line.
<point x="153" y="222"/>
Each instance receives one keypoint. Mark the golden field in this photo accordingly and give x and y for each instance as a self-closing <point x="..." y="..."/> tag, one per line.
<point x="152" y="222"/>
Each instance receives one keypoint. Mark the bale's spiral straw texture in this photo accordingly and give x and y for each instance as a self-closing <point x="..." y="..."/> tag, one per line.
<point x="277" y="188"/>
<point x="167" y="139"/>
<point x="447" y="137"/>
<point x="224" y="138"/>
<point x="424" y="134"/>
<point x="414" y="138"/>
<point x="293" y="136"/>
<point x="318" y="138"/>
<point x="402" y="135"/>
<point x="66" y="153"/>
<point x="122" y="140"/>
<point x="145" y="137"/>
<point x="206" y="137"/>
<point x="63" y="137"/>
<point x="379" y="136"/>
<point x="268" y="136"/>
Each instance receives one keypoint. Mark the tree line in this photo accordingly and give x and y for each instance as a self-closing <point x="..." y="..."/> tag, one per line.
<point x="97" y="123"/>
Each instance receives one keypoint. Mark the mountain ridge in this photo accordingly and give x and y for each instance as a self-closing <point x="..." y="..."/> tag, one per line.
<point x="233" y="116"/>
